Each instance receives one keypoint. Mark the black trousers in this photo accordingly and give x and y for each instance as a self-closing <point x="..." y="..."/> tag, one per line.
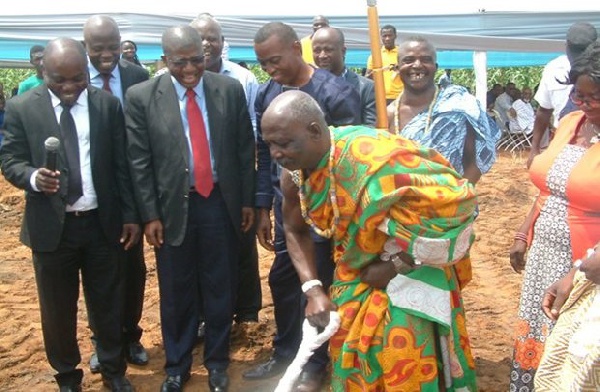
<point x="249" y="294"/>
<point x="205" y="265"/>
<point x="134" y="286"/>
<point x="288" y="299"/>
<point x="83" y="249"/>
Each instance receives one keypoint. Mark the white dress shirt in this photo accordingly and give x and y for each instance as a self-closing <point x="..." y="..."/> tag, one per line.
<point x="81" y="116"/>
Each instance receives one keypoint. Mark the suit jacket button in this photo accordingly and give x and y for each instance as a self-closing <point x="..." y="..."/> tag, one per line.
<point x="187" y="170"/>
<point x="185" y="196"/>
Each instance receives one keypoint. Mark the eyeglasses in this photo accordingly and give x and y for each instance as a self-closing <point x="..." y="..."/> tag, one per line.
<point x="579" y="100"/>
<point x="182" y="62"/>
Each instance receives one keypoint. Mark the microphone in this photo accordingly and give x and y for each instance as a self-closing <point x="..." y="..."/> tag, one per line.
<point x="51" y="145"/>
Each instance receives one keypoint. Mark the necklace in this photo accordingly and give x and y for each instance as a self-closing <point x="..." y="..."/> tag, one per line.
<point x="328" y="232"/>
<point x="596" y="130"/>
<point x="429" y="111"/>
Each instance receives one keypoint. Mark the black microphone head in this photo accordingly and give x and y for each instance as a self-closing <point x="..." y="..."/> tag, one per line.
<point x="52" y="144"/>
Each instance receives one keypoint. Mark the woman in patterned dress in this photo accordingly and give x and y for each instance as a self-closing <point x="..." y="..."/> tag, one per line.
<point x="565" y="219"/>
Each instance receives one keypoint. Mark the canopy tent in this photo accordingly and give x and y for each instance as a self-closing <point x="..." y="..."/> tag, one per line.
<point x="509" y="38"/>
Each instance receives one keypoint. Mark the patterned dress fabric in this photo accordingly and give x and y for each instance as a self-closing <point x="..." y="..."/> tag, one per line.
<point x="392" y="195"/>
<point x="445" y="130"/>
<point x="571" y="360"/>
<point x="566" y="224"/>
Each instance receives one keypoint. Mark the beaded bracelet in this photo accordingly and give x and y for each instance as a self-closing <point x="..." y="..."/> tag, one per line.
<point x="521" y="237"/>
<point x="577" y="264"/>
<point x="309" y="284"/>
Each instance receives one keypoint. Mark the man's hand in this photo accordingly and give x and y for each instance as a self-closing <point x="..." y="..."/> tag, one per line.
<point x="318" y="307"/>
<point x="247" y="218"/>
<point x="47" y="181"/>
<point x="517" y="255"/>
<point x="153" y="231"/>
<point x="556" y="295"/>
<point x="264" y="229"/>
<point x="130" y="235"/>
<point x="378" y="274"/>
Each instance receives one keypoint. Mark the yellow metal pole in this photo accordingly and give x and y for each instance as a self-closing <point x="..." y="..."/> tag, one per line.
<point x="380" y="104"/>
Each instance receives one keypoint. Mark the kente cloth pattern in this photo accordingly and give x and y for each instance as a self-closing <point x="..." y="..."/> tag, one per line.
<point x="571" y="360"/>
<point x="453" y="109"/>
<point x="393" y="194"/>
<point x="566" y="222"/>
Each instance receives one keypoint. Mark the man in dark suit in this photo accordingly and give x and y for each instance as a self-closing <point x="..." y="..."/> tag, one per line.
<point x="191" y="149"/>
<point x="329" y="52"/>
<point x="103" y="44"/>
<point x="79" y="217"/>
<point x="249" y="295"/>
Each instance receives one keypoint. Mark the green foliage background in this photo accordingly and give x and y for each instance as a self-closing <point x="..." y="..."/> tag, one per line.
<point x="521" y="76"/>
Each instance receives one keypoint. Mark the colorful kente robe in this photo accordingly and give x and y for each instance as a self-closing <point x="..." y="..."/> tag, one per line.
<point x="393" y="195"/>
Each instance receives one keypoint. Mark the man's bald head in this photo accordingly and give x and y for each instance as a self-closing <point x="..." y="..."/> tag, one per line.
<point x="318" y="22"/>
<point x="296" y="105"/>
<point x="100" y="25"/>
<point x="102" y="42"/>
<point x="212" y="40"/>
<point x="206" y="20"/>
<point x="329" y="50"/>
<point x="179" y="38"/>
<point x="331" y="34"/>
<point x="64" y="49"/>
<point x="65" y="69"/>
<point x="295" y="129"/>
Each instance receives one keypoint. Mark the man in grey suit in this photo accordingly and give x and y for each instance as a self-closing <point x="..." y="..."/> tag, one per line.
<point x="329" y="52"/>
<point x="79" y="215"/>
<point x="192" y="154"/>
<point x="103" y="44"/>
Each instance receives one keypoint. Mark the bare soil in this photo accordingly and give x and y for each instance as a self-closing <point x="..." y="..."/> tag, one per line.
<point x="491" y="300"/>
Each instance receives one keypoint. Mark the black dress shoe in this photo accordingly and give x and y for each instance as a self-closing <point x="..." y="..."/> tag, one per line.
<point x="218" y="381"/>
<point x="136" y="354"/>
<point x="70" y="388"/>
<point x="94" y="363"/>
<point x="117" y="384"/>
<point x="271" y="368"/>
<point x="174" y="383"/>
<point x="310" y="381"/>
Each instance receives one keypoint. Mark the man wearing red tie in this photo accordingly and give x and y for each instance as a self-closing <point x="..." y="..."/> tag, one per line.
<point x="191" y="149"/>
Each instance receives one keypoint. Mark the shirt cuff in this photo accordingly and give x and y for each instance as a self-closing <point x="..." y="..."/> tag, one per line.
<point x="264" y="201"/>
<point x="32" y="180"/>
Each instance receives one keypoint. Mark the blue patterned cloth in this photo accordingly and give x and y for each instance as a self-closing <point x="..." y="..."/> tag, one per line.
<point x="453" y="109"/>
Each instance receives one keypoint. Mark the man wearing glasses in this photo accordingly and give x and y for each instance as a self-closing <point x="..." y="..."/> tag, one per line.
<point x="191" y="150"/>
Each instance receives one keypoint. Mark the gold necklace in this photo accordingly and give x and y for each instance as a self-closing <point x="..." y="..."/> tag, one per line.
<point x="329" y="232"/>
<point x="429" y="111"/>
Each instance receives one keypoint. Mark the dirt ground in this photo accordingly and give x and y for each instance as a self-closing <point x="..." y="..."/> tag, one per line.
<point x="505" y="195"/>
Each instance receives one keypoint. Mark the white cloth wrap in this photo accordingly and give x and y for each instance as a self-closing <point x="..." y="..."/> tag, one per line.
<point x="311" y="340"/>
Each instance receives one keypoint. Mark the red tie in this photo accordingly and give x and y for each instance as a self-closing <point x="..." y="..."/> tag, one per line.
<point x="202" y="167"/>
<point x="106" y="82"/>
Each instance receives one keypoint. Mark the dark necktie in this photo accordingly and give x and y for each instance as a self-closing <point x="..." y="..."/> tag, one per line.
<point x="200" y="150"/>
<point x="106" y="82"/>
<point x="71" y="143"/>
